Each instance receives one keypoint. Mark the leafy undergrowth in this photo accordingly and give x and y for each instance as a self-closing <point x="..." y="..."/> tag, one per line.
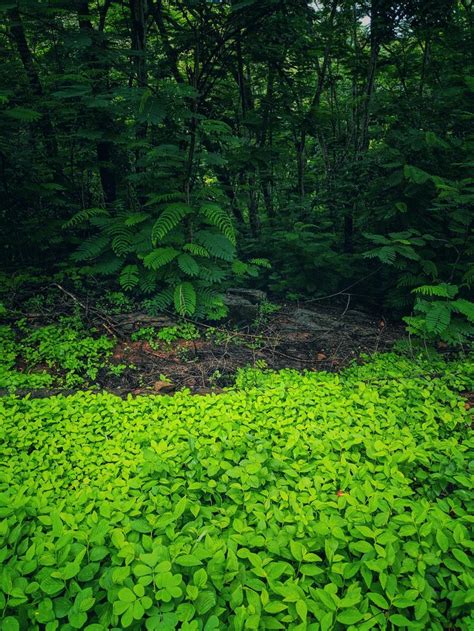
<point x="64" y="353"/>
<point x="296" y="501"/>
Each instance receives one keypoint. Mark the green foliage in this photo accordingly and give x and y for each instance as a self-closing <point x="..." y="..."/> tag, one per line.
<point x="10" y="377"/>
<point x="294" y="501"/>
<point x="149" y="254"/>
<point x="57" y="354"/>
<point x="129" y="277"/>
<point x="181" y="148"/>
<point x="185" y="299"/>
<point x="168" y="219"/>
<point x="451" y="319"/>
<point x="115" y="302"/>
<point x="439" y="313"/>
<point x="167" y="334"/>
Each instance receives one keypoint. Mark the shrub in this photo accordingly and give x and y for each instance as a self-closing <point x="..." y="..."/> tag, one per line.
<point x="313" y="501"/>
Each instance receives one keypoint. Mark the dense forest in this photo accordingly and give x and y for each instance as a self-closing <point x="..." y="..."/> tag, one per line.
<point x="177" y="148"/>
<point x="236" y="317"/>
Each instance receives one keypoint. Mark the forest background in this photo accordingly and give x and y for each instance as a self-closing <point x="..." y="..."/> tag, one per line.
<point x="175" y="148"/>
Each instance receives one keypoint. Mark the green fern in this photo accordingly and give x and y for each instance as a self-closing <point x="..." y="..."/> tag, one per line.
<point x="23" y="114"/>
<point x="197" y="250"/>
<point x="185" y="299"/>
<point x="83" y="216"/>
<point x="169" y="219"/>
<point x="122" y="243"/>
<point x="142" y="241"/>
<point x="386" y="254"/>
<point x="410" y="280"/>
<point x="210" y="304"/>
<point x="211" y="273"/>
<point x="159" y="257"/>
<point x="468" y="277"/>
<point x="261" y="263"/>
<point x="160" y="302"/>
<point x="429" y="268"/>
<point x="129" y="277"/>
<point x="443" y="290"/>
<point x="136" y="218"/>
<point x="239" y="268"/>
<point x="147" y="282"/>
<point x="216" y="127"/>
<point x="218" y="217"/>
<point x="465" y="307"/>
<point x="91" y="248"/>
<point x="376" y="238"/>
<point x="162" y="198"/>
<point x="438" y="317"/>
<point x="217" y="245"/>
<point x="108" y="266"/>
<point x="188" y="264"/>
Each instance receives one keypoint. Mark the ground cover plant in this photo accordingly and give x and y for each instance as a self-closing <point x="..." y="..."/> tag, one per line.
<point x="63" y="353"/>
<point x="293" y="501"/>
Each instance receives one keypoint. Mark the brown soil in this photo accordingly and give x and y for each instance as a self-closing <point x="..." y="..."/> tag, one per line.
<point x="210" y="363"/>
<point x="315" y="338"/>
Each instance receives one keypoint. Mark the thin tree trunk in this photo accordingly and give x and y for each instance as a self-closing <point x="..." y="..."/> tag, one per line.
<point x="18" y="35"/>
<point x="138" y="11"/>
<point x="371" y="73"/>
<point x="104" y="147"/>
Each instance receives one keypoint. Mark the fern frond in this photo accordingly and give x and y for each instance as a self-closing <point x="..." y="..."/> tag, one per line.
<point x="407" y="251"/>
<point x="169" y="219"/>
<point x="239" y="268"/>
<point x="161" y="198"/>
<point x="185" y="299"/>
<point x="430" y="268"/>
<point x="101" y="221"/>
<point x="159" y="257"/>
<point x="91" y="248"/>
<point x="212" y="273"/>
<point x="443" y="290"/>
<point x="147" y="281"/>
<point x="110" y="265"/>
<point x="261" y="263"/>
<point x="115" y="227"/>
<point x="129" y="277"/>
<point x="84" y="215"/>
<point x="386" y="254"/>
<point x="216" y="127"/>
<point x="218" y="217"/>
<point x="188" y="264"/>
<point x="122" y="243"/>
<point x="197" y="250"/>
<point x="216" y="244"/>
<point x="161" y="301"/>
<point x="438" y="317"/>
<point x="410" y="280"/>
<point x="376" y="238"/>
<point x="142" y="241"/>
<point x="210" y="305"/>
<point x="136" y="218"/>
<point x="465" y="307"/>
<point x="469" y="275"/>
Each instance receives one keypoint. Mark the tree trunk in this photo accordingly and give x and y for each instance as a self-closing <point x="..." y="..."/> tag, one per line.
<point x="104" y="147"/>
<point x="18" y="35"/>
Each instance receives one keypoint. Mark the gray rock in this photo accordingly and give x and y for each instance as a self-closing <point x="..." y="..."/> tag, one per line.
<point x="243" y="303"/>
<point x="304" y="319"/>
<point x="254" y="296"/>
